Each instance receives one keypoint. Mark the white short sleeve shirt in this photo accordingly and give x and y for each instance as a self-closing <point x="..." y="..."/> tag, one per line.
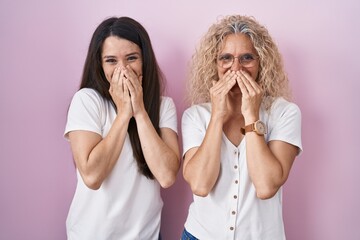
<point x="232" y="210"/>
<point x="127" y="205"/>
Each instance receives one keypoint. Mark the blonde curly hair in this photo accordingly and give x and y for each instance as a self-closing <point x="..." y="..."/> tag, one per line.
<point x="203" y="69"/>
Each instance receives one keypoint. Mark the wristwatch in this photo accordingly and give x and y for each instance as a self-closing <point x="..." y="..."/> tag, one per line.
<point x="259" y="127"/>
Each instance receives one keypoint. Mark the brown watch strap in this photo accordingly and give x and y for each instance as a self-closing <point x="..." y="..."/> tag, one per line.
<point x="248" y="128"/>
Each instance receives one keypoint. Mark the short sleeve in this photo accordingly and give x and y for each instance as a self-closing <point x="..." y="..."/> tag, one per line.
<point x="287" y="125"/>
<point x="84" y="112"/>
<point x="193" y="127"/>
<point x="168" y="116"/>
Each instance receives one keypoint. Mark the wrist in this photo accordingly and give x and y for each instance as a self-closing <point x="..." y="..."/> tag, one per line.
<point x="123" y="117"/>
<point x="140" y="115"/>
<point x="258" y="127"/>
<point x="250" y="119"/>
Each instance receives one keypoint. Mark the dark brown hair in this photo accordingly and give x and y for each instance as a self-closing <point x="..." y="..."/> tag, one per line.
<point x="94" y="77"/>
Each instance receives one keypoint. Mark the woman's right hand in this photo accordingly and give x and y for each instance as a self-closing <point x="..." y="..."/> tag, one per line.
<point x="219" y="91"/>
<point x="120" y="93"/>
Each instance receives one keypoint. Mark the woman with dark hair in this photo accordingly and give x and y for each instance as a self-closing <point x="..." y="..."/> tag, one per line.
<point x="123" y="136"/>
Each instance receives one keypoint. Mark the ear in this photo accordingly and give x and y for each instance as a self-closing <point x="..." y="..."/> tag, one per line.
<point x="140" y="79"/>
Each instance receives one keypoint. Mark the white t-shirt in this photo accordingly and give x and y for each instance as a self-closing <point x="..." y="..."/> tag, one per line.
<point x="127" y="205"/>
<point x="232" y="210"/>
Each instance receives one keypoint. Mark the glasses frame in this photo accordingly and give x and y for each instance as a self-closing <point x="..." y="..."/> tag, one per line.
<point x="250" y="63"/>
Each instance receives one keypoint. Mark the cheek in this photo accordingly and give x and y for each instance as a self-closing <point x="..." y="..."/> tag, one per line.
<point x="253" y="72"/>
<point x="138" y="69"/>
<point x="108" y="71"/>
<point x="221" y="72"/>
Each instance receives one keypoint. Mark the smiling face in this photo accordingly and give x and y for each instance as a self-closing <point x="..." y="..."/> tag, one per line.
<point x="239" y="46"/>
<point x="120" y="52"/>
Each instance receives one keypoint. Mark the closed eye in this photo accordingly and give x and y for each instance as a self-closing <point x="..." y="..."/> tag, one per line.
<point x="110" y="60"/>
<point x="226" y="57"/>
<point x="247" y="57"/>
<point x="132" y="58"/>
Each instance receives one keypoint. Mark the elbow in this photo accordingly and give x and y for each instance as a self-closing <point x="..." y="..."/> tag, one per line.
<point x="92" y="182"/>
<point x="268" y="188"/>
<point x="200" y="191"/>
<point x="167" y="181"/>
<point x="266" y="192"/>
<point x="264" y="195"/>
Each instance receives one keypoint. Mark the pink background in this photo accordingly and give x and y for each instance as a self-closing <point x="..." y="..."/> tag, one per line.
<point x="42" y="51"/>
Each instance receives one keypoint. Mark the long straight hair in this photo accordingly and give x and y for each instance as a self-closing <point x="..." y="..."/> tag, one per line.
<point x="94" y="76"/>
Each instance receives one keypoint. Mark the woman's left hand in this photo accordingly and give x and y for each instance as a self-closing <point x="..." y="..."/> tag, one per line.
<point x="134" y="84"/>
<point x="252" y="95"/>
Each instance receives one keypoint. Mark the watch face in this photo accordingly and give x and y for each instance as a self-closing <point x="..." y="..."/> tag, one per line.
<point x="260" y="127"/>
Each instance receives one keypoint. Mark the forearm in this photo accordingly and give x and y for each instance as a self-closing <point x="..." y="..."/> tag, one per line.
<point x="264" y="169"/>
<point x="201" y="170"/>
<point x="102" y="158"/>
<point x="161" y="157"/>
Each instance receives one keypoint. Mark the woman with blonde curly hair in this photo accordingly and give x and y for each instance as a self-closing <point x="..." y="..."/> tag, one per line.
<point x="240" y="136"/>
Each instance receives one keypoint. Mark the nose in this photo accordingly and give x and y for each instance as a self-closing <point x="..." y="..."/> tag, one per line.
<point x="121" y="63"/>
<point x="236" y="66"/>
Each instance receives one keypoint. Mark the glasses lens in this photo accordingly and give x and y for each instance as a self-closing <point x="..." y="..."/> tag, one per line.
<point x="225" y="60"/>
<point x="247" y="60"/>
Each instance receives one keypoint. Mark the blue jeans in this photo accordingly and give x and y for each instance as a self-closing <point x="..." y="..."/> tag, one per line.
<point x="187" y="236"/>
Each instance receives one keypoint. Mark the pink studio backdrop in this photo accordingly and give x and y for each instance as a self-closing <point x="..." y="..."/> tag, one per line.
<point x="43" y="47"/>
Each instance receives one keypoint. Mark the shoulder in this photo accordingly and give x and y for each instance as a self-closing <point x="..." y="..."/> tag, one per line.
<point x="167" y="104"/>
<point x="88" y="95"/>
<point x="284" y="122"/>
<point x="283" y="115"/>
<point x="201" y="109"/>
<point x="281" y="106"/>
<point x="88" y="99"/>
<point x="199" y="112"/>
<point x="165" y="100"/>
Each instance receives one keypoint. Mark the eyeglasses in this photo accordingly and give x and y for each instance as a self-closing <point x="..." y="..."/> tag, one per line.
<point x="227" y="60"/>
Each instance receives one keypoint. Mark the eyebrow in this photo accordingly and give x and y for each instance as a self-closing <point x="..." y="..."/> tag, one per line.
<point x="226" y="53"/>
<point x="129" y="54"/>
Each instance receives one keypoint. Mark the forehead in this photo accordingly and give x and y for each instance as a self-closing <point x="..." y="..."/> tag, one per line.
<point x="119" y="46"/>
<point x="236" y="42"/>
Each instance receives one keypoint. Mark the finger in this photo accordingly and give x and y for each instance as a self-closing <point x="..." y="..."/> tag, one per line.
<point x="229" y="82"/>
<point x="224" y="77"/>
<point x="130" y="87"/>
<point x="223" y="89"/>
<point x="218" y="87"/>
<point x="127" y="93"/>
<point x="229" y="78"/>
<point x="251" y="82"/>
<point x="242" y="86"/>
<point x="130" y="74"/>
<point x="229" y="75"/>
<point x="117" y="86"/>
<point x="122" y="80"/>
<point x="116" y="75"/>
<point x="250" y="89"/>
